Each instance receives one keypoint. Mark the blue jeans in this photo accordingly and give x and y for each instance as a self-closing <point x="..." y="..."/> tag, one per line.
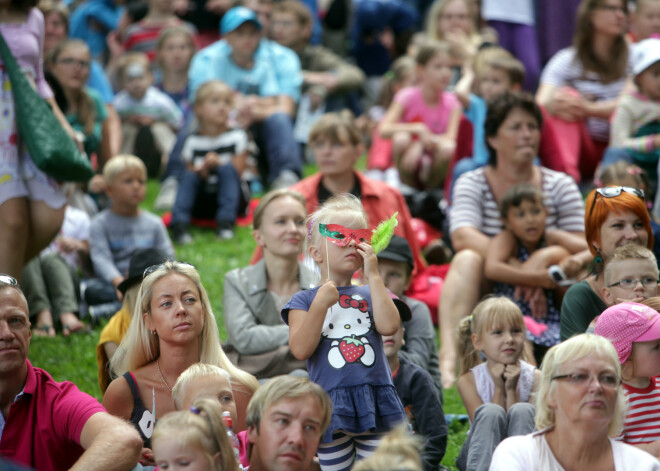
<point x="275" y="138"/>
<point x="228" y="195"/>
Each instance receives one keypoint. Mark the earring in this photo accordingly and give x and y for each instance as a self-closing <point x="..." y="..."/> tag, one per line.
<point x="598" y="259"/>
<point x="153" y="332"/>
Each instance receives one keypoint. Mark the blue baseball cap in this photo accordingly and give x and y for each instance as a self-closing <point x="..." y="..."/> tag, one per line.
<point x="236" y="17"/>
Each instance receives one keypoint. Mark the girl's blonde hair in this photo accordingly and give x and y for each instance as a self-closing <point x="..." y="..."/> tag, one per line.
<point x="399" y="450"/>
<point x="260" y="210"/>
<point x="200" y="427"/>
<point x="83" y="103"/>
<point x="140" y="347"/>
<point x="614" y="174"/>
<point x="491" y="312"/>
<point x="345" y="205"/>
<point x="570" y="350"/>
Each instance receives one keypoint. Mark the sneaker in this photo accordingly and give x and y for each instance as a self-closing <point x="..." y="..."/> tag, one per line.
<point x="284" y="180"/>
<point x="224" y="231"/>
<point x="180" y="235"/>
<point x="167" y="194"/>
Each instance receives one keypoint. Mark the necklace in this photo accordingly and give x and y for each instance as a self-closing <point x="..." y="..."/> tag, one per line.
<point x="161" y="375"/>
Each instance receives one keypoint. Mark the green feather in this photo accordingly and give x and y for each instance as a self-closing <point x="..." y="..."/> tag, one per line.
<point x="383" y="233"/>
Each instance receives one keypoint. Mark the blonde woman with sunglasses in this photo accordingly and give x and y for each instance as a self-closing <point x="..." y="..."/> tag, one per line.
<point x="173" y="327"/>
<point x="615" y="216"/>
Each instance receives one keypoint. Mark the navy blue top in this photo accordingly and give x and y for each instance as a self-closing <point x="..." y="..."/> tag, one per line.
<point x="350" y="364"/>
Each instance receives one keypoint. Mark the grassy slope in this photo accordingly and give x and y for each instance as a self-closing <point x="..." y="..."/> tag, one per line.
<point x="74" y="358"/>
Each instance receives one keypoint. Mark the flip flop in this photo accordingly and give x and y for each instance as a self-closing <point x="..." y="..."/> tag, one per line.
<point x="44" y="330"/>
<point x="75" y="328"/>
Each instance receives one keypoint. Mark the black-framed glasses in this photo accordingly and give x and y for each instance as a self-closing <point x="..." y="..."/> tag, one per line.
<point x="606" y="380"/>
<point x="8" y="280"/>
<point x="613" y="192"/>
<point x="149" y="270"/>
<point x="630" y="283"/>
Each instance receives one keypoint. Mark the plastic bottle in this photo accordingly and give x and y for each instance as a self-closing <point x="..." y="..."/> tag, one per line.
<point x="233" y="439"/>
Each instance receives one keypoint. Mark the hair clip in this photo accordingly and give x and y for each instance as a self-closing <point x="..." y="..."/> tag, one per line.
<point x="194" y="410"/>
<point x="470" y="318"/>
<point x="598" y="183"/>
<point x="634" y="170"/>
<point x="309" y="230"/>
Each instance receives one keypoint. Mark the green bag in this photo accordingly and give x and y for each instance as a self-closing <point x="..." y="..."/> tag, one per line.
<point x="51" y="148"/>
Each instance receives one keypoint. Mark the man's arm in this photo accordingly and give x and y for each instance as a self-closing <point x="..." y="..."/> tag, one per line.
<point x="109" y="443"/>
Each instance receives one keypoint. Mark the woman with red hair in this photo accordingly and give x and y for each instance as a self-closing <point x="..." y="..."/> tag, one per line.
<point x="614" y="216"/>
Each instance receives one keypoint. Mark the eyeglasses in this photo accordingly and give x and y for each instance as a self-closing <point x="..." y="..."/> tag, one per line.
<point x="611" y="9"/>
<point x="8" y="280"/>
<point x="70" y="61"/>
<point x="149" y="270"/>
<point x="606" y="380"/>
<point x="629" y="283"/>
<point x="613" y="192"/>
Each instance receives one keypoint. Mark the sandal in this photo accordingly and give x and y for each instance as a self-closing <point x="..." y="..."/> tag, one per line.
<point x="44" y="330"/>
<point x="75" y="328"/>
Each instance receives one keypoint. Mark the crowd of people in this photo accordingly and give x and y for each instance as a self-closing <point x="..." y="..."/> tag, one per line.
<point x="512" y="153"/>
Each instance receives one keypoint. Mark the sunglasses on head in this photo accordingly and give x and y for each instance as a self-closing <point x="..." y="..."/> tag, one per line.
<point x="9" y="280"/>
<point x="613" y="192"/>
<point x="149" y="270"/>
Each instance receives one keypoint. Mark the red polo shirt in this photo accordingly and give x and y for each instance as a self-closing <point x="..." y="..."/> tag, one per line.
<point x="44" y="425"/>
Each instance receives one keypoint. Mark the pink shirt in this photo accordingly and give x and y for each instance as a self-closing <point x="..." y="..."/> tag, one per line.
<point x="26" y="42"/>
<point x="415" y="110"/>
<point x="44" y="425"/>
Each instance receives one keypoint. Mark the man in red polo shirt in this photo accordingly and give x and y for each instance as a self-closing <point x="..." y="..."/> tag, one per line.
<point x="48" y="425"/>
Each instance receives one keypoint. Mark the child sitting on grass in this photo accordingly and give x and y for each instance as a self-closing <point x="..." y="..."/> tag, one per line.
<point x="116" y="233"/>
<point x="215" y="156"/>
<point x="395" y="265"/>
<point x="423" y="120"/>
<point x="525" y="254"/>
<point x="150" y="118"/>
<point x="496" y="392"/>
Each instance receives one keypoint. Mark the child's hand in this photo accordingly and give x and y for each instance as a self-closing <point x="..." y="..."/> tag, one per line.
<point x="571" y="266"/>
<point x="538" y="304"/>
<point x="497" y="372"/>
<point x="367" y="253"/>
<point x="511" y="376"/>
<point x="327" y="294"/>
<point x="69" y="244"/>
<point x="211" y="161"/>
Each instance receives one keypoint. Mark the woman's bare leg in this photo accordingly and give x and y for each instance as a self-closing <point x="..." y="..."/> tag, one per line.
<point x="14" y="230"/>
<point x="460" y="293"/>
<point x="45" y="223"/>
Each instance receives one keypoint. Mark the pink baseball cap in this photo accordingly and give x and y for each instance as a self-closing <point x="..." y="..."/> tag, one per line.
<point x="626" y="323"/>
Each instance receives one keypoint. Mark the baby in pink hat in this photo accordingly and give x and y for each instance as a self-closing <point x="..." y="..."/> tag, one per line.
<point x="634" y="329"/>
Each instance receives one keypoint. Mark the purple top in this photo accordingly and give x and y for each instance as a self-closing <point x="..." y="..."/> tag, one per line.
<point x="26" y="41"/>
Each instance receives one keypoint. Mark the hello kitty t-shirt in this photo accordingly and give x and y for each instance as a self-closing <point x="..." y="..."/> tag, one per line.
<point x="350" y="364"/>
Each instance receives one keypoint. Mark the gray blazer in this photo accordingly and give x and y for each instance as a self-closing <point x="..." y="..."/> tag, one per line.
<point x="253" y="323"/>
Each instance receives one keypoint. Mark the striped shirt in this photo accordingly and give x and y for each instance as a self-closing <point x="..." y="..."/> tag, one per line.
<point x="642" y="422"/>
<point x="474" y="204"/>
<point x="564" y="70"/>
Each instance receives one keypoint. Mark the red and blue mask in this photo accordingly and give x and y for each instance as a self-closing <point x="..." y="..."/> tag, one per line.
<point x="341" y="236"/>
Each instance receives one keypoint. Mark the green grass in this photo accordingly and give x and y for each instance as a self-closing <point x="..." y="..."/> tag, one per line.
<point x="74" y="358"/>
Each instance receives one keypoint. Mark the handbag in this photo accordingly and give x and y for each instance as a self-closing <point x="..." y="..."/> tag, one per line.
<point x="51" y="148"/>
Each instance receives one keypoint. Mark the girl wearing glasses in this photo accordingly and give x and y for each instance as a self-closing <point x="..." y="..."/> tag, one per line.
<point x="579" y="406"/>
<point x="173" y="322"/>
<point x="496" y="392"/>
<point x="634" y="330"/>
<point x="615" y="216"/>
